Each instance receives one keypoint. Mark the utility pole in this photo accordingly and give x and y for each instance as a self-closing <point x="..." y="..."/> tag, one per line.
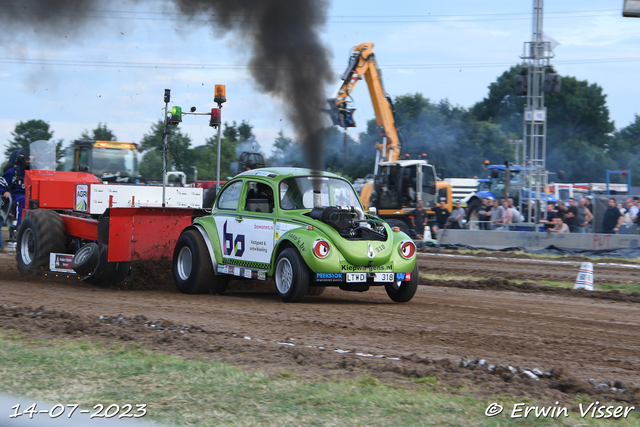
<point x="536" y="57"/>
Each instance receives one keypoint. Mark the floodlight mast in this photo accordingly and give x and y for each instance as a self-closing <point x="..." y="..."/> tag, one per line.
<point x="536" y="57"/>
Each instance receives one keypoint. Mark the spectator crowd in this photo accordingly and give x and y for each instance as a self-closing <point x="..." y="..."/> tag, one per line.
<point x="577" y="217"/>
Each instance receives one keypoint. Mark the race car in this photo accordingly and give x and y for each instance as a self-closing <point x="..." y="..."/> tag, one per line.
<point x="306" y="229"/>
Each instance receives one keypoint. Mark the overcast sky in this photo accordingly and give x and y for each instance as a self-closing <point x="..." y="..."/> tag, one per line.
<point x="115" y="71"/>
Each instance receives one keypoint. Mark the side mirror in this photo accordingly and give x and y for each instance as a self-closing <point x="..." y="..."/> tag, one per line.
<point x="372" y="211"/>
<point x="83" y="168"/>
<point x="494" y="173"/>
<point x="560" y="174"/>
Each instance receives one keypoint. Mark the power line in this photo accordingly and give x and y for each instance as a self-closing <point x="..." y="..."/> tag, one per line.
<point x="338" y="19"/>
<point x="194" y="66"/>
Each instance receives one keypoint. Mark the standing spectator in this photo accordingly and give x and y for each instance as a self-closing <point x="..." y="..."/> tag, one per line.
<point x="506" y="216"/>
<point x="584" y="216"/>
<point x="516" y="217"/>
<point x="484" y="214"/>
<point x="456" y="217"/>
<point x="558" y="226"/>
<point x="589" y="205"/>
<point x="562" y="209"/>
<point x="549" y="215"/>
<point x="419" y="219"/>
<point x="635" y="210"/>
<point x="627" y="222"/>
<point x="570" y="217"/>
<point x="442" y="214"/>
<point x="496" y="215"/>
<point x="612" y="218"/>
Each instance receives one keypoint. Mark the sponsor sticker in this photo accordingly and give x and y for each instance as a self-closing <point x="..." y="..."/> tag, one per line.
<point x="60" y="263"/>
<point x="329" y="277"/>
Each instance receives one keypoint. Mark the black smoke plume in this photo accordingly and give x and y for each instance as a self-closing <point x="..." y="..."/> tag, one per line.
<point x="288" y="60"/>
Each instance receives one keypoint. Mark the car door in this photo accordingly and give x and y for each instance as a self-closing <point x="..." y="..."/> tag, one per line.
<point x="245" y="220"/>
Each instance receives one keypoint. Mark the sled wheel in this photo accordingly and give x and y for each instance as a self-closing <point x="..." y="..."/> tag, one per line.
<point x="86" y="259"/>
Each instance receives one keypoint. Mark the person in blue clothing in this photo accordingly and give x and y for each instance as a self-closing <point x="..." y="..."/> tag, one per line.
<point x="12" y="181"/>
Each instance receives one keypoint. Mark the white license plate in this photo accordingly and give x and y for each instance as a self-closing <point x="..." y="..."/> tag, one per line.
<point x="356" y="277"/>
<point x="384" y="277"/>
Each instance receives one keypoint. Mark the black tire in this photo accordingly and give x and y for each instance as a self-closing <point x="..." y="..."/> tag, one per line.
<point x="86" y="259"/>
<point x="209" y="198"/>
<point x="192" y="267"/>
<point x="291" y="276"/>
<point x="108" y="273"/>
<point x="40" y="233"/>
<point x="405" y="290"/>
<point x="315" y="290"/>
<point x="403" y="227"/>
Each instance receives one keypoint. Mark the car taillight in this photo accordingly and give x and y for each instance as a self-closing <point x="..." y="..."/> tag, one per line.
<point x="321" y="248"/>
<point x="407" y="249"/>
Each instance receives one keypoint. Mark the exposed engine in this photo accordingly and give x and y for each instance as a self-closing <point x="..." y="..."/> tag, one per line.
<point x="350" y="222"/>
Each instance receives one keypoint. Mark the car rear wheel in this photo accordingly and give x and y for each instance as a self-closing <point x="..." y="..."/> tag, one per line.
<point x="192" y="267"/>
<point x="291" y="276"/>
<point x="404" y="291"/>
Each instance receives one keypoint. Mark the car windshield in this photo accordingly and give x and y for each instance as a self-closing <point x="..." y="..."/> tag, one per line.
<point x="297" y="193"/>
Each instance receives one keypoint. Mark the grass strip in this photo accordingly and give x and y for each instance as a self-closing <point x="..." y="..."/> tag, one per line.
<point x="181" y="392"/>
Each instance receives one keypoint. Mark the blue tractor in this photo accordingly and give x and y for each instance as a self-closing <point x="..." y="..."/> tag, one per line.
<point x="495" y="186"/>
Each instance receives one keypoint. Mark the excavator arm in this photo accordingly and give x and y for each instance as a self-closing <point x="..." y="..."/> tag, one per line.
<point x="363" y="63"/>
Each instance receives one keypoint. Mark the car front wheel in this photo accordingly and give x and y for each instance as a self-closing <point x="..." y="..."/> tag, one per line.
<point x="291" y="276"/>
<point x="404" y="291"/>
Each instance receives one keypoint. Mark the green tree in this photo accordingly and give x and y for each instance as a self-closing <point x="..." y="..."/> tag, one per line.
<point x="453" y="140"/>
<point x="578" y="125"/>
<point x="27" y="132"/>
<point x="179" y="154"/>
<point x="101" y="133"/>
<point x="624" y="150"/>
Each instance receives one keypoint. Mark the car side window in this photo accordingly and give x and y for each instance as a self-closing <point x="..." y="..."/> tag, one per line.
<point x="230" y="196"/>
<point x="259" y="198"/>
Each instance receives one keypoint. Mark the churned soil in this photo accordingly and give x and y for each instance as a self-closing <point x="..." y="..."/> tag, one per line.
<point x="477" y="337"/>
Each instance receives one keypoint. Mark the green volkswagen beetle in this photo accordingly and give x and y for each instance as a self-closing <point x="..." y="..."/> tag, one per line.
<point x="306" y="229"/>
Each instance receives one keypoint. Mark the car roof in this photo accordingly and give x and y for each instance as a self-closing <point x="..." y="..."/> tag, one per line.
<point x="277" y="174"/>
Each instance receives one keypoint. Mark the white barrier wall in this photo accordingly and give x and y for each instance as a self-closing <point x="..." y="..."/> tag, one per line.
<point x="537" y="240"/>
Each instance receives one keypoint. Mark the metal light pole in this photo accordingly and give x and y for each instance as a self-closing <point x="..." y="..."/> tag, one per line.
<point x="219" y="98"/>
<point x="537" y="54"/>
<point x="165" y="132"/>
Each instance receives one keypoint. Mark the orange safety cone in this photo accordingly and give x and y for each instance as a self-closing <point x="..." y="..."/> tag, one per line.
<point x="585" y="277"/>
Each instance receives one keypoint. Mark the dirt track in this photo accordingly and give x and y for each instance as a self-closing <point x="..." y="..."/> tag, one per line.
<point x="343" y="333"/>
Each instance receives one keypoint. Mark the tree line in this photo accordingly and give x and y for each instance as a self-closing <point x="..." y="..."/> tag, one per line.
<point x="582" y="140"/>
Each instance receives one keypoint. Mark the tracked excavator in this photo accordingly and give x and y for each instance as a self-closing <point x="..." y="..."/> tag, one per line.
<point x="399" y="183"/>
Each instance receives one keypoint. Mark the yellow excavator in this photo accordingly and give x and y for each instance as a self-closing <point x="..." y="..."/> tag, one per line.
<point x="398" y="183"/>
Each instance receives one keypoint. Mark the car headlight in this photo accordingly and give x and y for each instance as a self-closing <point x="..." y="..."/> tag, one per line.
<point x="407" y="249"/>
<point x="321" y="248"/>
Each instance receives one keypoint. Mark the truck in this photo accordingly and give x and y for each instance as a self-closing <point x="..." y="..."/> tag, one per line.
<point x="398" y="182"/>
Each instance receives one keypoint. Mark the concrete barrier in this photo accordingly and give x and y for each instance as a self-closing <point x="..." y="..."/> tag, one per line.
<point x="537" y="240"/>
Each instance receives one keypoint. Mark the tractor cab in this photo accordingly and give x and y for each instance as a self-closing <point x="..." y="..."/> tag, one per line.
<point x="110" y="161"/>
